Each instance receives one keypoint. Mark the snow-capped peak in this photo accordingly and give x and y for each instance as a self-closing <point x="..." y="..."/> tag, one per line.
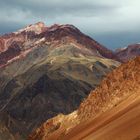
<point x="37" y="28"/>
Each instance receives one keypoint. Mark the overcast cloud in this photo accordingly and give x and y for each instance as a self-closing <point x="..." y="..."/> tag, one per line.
<point x="114" y="23"/>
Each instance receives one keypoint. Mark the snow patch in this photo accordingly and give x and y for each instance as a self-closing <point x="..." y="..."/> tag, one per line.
<point x="37" y="28"/>
<point x="39" y="41"/>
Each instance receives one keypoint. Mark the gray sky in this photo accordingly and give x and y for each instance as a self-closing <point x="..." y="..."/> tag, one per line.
<point x="114" y="23"/>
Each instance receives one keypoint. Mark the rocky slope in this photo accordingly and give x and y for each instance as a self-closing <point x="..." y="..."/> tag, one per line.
<point x="45" y="71"/>
<point x="127" y="53"/>
<point x="5" y="134"/>
<point x="116" y="95"/>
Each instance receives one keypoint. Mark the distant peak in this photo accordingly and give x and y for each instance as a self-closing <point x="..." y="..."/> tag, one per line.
<point x="37" y="28"/>
<point x="120" y="49"/>
<point x="40" y="24"/>
<point x="69" y="25"/>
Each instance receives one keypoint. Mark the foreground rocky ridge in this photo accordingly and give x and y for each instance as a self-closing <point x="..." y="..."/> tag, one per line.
<point x="45" y="71"/>
<point x="117" y="87"/>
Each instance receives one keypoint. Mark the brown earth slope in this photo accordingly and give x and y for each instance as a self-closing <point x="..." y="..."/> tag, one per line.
<point x="109" y="112"/>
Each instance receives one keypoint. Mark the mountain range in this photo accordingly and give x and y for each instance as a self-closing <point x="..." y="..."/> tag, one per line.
<point x="45" y="71"/>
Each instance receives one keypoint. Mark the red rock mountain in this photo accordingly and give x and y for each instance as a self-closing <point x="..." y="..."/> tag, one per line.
<point x="17" y="44"/>
<point x="45" y="71"/>
<point x="112" y="111"/>
<point x="129" y="52"/>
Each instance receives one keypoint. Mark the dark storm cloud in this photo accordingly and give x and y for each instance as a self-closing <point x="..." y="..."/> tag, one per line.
<point x="51" y="11"/>
<point x="6" y="27"/>
<point x="94" y="17"/>
<point x="55" y="8"/>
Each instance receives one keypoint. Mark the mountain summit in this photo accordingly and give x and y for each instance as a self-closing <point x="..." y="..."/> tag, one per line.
<point x="38" y="28"/>
<point x="20" y="43"/>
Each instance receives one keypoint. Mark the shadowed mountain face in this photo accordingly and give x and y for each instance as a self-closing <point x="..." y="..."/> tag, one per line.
<point x="114" y="104"/>
<point x="45" y="71"/>
<point x="128" y="53"/>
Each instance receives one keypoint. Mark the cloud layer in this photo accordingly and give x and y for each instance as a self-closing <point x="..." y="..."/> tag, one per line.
<point x="100" y="19"/>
